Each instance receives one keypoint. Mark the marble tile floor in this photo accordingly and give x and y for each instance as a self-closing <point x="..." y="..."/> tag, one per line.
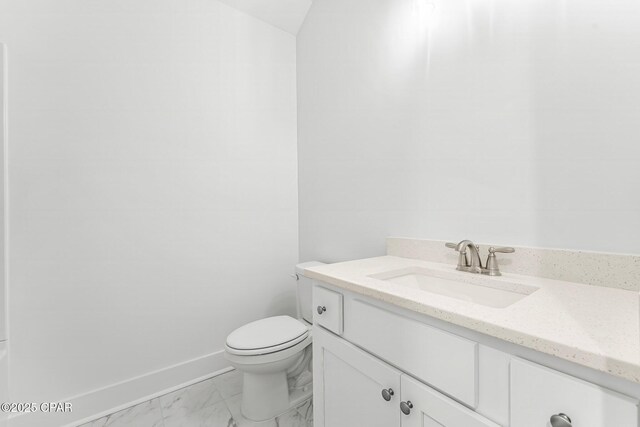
<point x="211" y="403"/>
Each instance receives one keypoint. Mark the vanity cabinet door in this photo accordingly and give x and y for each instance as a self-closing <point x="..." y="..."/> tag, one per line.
<point x="421" y="406"/>
<point x="352" y="388"/>
<point x="539" y="393"/>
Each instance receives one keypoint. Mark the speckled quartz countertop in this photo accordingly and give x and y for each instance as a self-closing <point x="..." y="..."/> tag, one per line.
<point x="594" y="326"/>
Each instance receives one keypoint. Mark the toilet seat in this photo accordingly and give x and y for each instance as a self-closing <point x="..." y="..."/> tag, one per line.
<point x="268" y="358"/>
<point x="266" y="336"/>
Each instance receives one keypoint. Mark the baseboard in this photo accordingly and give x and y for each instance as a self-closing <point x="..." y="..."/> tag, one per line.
<point x="110" y="399"/>
<point x="4" y="380"/>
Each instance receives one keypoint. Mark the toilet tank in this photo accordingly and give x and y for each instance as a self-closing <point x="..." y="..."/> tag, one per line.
<point x="305" y="308"/>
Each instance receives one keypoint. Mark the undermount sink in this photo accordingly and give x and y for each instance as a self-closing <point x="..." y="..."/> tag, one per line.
<point x="477" y="289"/>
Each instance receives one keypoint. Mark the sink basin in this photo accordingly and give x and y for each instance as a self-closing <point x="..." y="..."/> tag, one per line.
<point x="478" y="289"/>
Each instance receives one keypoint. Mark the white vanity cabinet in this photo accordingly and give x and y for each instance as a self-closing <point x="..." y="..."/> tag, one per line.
<point x="351" y="383"/>
<point x="443" y="360"/>
<point x="376" y="365"/>
<point x="328" y="309"/>
<point x="353" y="388"/>
<point x="537" y="391"/>
<point x="424" y="407"/>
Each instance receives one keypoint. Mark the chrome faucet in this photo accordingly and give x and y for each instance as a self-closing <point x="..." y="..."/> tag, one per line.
<point x="469" y="258"/>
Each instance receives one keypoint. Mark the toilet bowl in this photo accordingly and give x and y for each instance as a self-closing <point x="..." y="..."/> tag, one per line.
<point x="274" y="356"/>
<point x="266" y="351"/>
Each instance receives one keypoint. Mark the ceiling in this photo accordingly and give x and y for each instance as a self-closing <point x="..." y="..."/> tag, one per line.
<point x="287" y="15"/>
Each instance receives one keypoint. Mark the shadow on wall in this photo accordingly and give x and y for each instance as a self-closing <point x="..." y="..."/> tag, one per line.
<point x="283" y="303"/>
<point x="505" y="122"/>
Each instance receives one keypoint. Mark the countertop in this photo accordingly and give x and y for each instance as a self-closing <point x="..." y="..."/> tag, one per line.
<point x="594" y="326"/>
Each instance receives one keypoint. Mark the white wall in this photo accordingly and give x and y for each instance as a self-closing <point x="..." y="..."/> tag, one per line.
<point x="4" y="368"/>
<point x="494" y="120"/>
<point x="3" y="132"/>
<point x="153" y="185"/>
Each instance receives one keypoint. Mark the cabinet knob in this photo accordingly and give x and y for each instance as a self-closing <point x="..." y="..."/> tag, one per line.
<point x="387" y="393"/>
<point x="321" y="309"/>
<point x="560" y="420"/>
<point x="406" y="407"/>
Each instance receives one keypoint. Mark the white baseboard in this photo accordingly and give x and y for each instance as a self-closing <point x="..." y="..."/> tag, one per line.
<point x="110" y="399"/>
<point x="4" y="380"/>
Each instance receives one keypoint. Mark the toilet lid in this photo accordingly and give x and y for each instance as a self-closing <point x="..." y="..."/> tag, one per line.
<point x="269" y="332"/>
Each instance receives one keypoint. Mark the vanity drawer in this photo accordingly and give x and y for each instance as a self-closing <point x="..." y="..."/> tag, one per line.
<point x="327" y="309"/>
<point x="538" y="393"/>
<point x="445" y="361"/>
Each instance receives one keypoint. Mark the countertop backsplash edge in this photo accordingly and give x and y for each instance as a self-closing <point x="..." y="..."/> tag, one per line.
<point x="621" y="271"/>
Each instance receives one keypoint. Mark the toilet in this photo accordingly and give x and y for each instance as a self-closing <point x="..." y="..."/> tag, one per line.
<point x="274" y="356"/>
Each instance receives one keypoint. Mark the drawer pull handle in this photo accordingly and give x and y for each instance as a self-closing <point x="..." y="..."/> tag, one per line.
<point x="387" y="393"/>
<point x="321" y="309"/>
<point x="560" y="420"/>
<point x="406" y="407"/>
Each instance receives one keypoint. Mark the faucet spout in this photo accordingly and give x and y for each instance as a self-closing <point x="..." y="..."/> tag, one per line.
<point x="474" y="263"/>
<point x="469" y="258"/>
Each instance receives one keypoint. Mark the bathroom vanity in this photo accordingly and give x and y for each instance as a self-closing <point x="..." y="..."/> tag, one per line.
<point x="408" y="342"/>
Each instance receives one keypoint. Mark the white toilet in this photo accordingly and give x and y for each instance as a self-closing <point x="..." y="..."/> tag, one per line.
<point x="274" y="355"/>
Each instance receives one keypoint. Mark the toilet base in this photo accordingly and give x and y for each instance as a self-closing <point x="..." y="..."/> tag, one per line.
<point x="260" y="406"/>
<point x="271" y="389"/>
<point x="264" y="395"/>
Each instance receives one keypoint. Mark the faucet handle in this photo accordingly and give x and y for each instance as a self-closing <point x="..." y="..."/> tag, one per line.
<point x="462" y="256"/>
<point x="492" y="268"/>
<point x="504" y="250"/>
